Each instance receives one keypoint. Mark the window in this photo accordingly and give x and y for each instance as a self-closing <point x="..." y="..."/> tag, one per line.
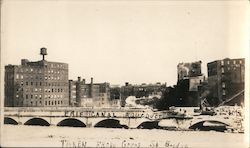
<point x="223" y="85"/>
<point x="222" y="62"/>
<point x="27" y="83"/>
<point x="222" y="70"/>
<point x="52" y="90"/>
<point x="223" y="92"/>
<point x="21" y="76"/>
<point x="49" y="102"/>
<point x="40" y="83"/>
<point x="27" y="96"/>
<point x="31" y="83"/>
<point x="45" y="102"/>
<point x="240" y="62"/>
<point x="234" y="62"/>
<point x="36" y="83"/>
<point x="31" y="96"/>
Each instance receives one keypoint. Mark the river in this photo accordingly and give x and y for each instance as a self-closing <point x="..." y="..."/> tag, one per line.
<point x="40" y="136"/>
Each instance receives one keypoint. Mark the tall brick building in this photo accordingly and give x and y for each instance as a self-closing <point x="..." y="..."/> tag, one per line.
<point x="36" y="84"/>
<point x="226" y="79"/>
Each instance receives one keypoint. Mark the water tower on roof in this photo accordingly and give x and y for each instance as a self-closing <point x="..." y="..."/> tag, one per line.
<point x="43" y="52"/>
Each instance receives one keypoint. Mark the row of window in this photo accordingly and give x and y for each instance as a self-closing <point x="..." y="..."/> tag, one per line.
<point x="39" y="96"/>
<point x="47" y="103"/>
<point x="41" y="83"/>
<point x="39" y="70"/>
<point x="49" y="77"/>
<point x="234" y="62"/>
<point x="228" y="68"/>
<point x="53" y="102"/>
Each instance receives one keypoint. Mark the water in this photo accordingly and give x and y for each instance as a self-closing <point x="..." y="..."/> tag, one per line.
<point x="39" y="136"/>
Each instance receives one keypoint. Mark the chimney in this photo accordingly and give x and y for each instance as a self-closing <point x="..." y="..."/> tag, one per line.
<point x="91" y="88"/>
<point x="91" y="80"/>
<point x="83" y="81"/>
<point x="78" y="79"/>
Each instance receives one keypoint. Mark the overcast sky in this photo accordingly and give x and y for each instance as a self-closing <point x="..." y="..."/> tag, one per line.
<point x="124" y="41"/>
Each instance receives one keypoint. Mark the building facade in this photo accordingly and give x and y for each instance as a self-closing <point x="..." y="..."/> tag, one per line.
<point x="226" y="79"/>
<point x="189" y="79"/>
<point x="36" y="84"/>
<point x="91" y="94"/>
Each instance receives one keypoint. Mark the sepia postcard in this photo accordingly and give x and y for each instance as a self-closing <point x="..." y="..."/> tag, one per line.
<point x="124" y="73"/>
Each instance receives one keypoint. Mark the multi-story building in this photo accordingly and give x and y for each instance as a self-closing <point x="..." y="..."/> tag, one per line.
<point x="189" y="78"/>
<point x="90" y="95"/>
<point x="226" y="79"/>
<point x="36" y="84"/>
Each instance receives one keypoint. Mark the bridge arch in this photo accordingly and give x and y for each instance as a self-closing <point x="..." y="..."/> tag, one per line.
<point x="149" y="125"/>
<point x="206" y="125"/>
<point x="8" y="120"/>
<point x="71" y="122"/>
<point x="110" y="123"/>
<point x="37" y="121"/>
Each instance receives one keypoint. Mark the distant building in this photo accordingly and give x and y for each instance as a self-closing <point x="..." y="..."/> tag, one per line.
<point x="226" y="79"/>
<point x="186" y="70"/>
<point x="90" y="95"/>
<point x="189" y="78"/>
<point x="72" y="93"/>
<point x="143" y="90"/>
<point x="36" y="84"/>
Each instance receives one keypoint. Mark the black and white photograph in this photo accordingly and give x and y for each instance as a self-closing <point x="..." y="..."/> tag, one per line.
<point x="125" y="73"/>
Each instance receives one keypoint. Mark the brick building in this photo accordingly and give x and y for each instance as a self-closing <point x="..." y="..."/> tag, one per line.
<point x="226" y="79"/>
<point x="36" y="84"/>
<point x="189" y="79"/>
<point x="91" y="94"/>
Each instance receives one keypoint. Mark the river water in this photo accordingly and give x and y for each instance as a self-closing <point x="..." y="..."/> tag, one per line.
<point x="39" y="136"/>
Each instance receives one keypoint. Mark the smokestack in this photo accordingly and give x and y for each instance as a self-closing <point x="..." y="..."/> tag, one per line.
<point x="78" y="79"/>
<point x="91" y="80"/>
<point x="91" y="88"/>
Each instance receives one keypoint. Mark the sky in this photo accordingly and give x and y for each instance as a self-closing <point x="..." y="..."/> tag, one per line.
<point x="124" y="41"/>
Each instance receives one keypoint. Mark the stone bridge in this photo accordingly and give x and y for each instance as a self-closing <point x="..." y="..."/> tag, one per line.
<point x="110" y="118"/>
